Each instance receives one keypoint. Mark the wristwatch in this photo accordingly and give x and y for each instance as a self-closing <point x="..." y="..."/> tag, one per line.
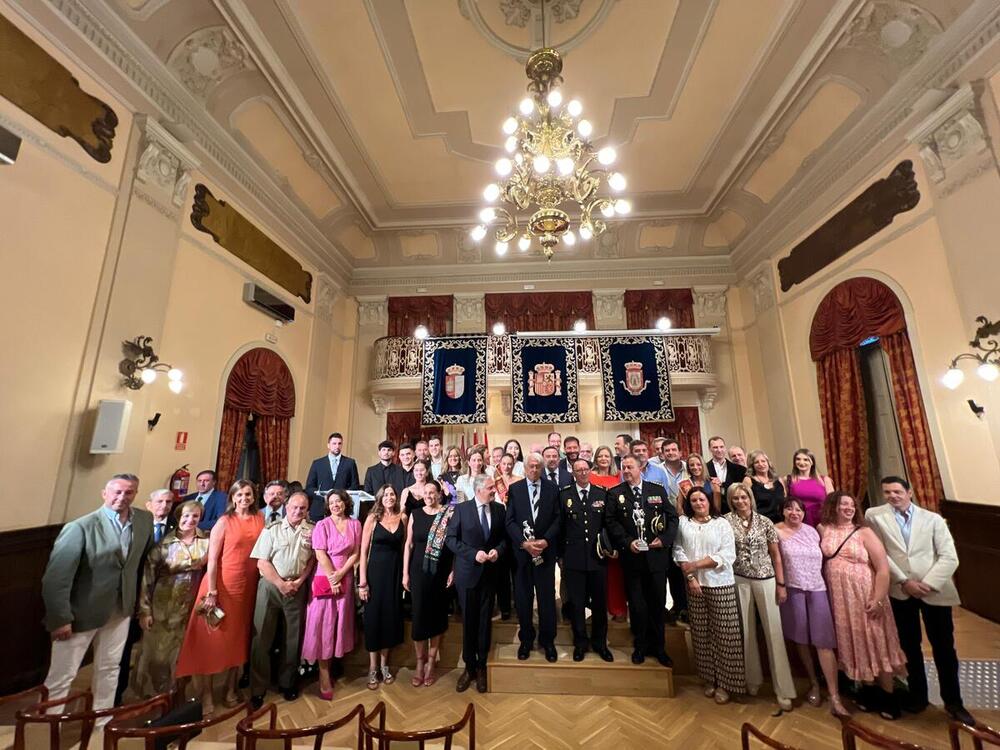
<point x="690" y="576"/>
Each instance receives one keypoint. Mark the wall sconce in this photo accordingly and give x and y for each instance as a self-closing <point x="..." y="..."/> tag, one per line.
<point x="989" y="362"/>
<point x="141" y="366"/>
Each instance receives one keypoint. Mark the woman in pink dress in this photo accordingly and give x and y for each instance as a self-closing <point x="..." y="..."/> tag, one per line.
<point x="857" y="577"/>
<point x="807" y="486"/>
<point x="329" y="631"/>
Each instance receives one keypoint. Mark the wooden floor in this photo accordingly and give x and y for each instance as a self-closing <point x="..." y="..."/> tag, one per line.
<point x="688" y="720"/>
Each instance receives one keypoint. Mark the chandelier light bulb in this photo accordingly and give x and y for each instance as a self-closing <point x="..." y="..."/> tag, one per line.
<point x="617" y="182"/>
<point x="503" y="167"/>
<point x="565" y="165"/>
<point x="176" y="385"/>
<point x="953" y="378"/>
<point x="622" y="206"/>
<point x="663" y="324"/>
<point x="554" y="98"/>
<point x="569" y="238"/>
<point x="421" y="332"/>
<point x="988" y="372"/>
<point x="487" y="215"/>
<point x="527" y="106"/>
<point x="501" y="248"/>
<point x="608" y="210"/>
<point x="584" y="128"/>
<point x="580" y="326"/>
<point x="524" y="243"/>
<point x="174" y="374"/>
<point x="510" y="126"/>
<point x="510" y="145"/>
<point x="607" y="155"/>
<point x="586" y="232"/>
<point x="519" y="157"/>
<point x="541" y="164"/>
<point x="499" y="329"/>
<point x="574" y="108"/>
<point x="147" y="375"/>
<point x="477" y="233"/>
<point x="492" y="192"/>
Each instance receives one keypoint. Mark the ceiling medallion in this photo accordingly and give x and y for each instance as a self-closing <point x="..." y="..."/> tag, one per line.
<point x="553" y="176"/>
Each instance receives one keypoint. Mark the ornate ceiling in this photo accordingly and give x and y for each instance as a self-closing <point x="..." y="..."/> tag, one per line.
<point x="379" y="120"/>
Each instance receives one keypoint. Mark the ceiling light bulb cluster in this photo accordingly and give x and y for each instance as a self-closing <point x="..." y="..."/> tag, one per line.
<point x="554" y="185"/>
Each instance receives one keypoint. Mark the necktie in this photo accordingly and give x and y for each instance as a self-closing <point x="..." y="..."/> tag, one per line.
<point x="484" y="522"/>
<point x="274" y="516"/>
<point x="158" y="532"/>
<point x="552" y="476"/>
<point x="534" y="502"/>
<point x="637" y="493"/>
<point x="583" y="497"/>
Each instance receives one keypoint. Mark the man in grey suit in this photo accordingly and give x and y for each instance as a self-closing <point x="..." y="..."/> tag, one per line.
<point x="90" y="588"/>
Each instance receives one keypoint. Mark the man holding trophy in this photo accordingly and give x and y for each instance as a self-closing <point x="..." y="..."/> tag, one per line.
<point x="534" y="525"/>
<point x="642" y="523"/>
<point x="585" y="549"/>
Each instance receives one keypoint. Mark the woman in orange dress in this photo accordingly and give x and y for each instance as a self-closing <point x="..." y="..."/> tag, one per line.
<point x="604" y="475"/>
<point x="211" y="646"/>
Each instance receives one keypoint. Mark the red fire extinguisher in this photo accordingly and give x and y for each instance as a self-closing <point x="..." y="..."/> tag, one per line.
<point x="179" y="482"/>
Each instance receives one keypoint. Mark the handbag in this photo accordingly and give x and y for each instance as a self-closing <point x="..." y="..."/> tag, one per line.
<point x="321" y="586"/>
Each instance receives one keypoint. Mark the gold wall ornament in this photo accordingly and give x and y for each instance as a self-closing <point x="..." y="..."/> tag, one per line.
<point x="239" y="236"/>
<point x="37" y="83"/>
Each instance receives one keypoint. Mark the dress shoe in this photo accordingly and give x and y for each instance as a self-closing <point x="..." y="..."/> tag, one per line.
<point x="256" y="701"/>
<point x="481" y="681"/>
<point x="578" y="653"/>
<point x="523" y="651"/>
<point x="664" y="659"/>
<point x="290" y="694"/>
<point x="464" y="680"/>
<point x="605" y="653"/>
<point x="638" y="657"/>
<point x="958" y="713"/>
<point x="669" y="617"/>
<point x="550" y="654"/>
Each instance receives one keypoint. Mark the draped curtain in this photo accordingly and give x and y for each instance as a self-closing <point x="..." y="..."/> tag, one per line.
<point x="685" y="429"/>
<point x="551" y="311"/>
<point x="260" y="383"/>
<point x="845" y="422"/>
<point x="643" y="307"/>
<point x="404" y="427"/>
<point x="406" y="313"/>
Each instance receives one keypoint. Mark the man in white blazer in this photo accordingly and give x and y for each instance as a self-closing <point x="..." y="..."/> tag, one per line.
<point x="922" y="561"/>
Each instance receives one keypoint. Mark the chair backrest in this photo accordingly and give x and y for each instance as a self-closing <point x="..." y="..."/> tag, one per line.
<point x="11" y="704"/>
<point x="980" y="734"/>
<point x="851" y="731"/>
<point x="384" y="739"/>
<point x="36" y="728"/>
<point x="748" y="730"/>
<point x="122" y="734"/>
<point x="270" y="737"/>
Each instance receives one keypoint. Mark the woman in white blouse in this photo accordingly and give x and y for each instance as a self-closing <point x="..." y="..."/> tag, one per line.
<point x="476" y="466"/>
<point x="706" y="550"/>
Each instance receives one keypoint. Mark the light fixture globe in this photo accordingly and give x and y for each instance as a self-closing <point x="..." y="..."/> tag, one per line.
<point x="988" y="372"/>
<point x="953" y="378"/>
<point x="421" y="332"/>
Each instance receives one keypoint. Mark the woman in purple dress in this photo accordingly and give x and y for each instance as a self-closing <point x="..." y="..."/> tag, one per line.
<point x="329" y="631"/>
<point x="808" y="486"/>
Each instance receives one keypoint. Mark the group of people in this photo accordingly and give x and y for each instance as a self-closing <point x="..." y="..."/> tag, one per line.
<point x="205" y="587"/>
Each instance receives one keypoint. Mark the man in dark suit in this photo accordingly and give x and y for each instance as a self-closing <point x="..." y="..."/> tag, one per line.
<point x="572" y="447"/>
<point x="534" y="504"/>
<point x="477" y="536"/>
<point x="212" y="500"/>
<point x="553" y="469"/>
<point x="645" y="570"/>
<point x="334" y="471"/>
<point x="385" y="471"/>
<point x="623" y="447"/>
<point x="723" y="471"/>
<point x="582" y="506"/>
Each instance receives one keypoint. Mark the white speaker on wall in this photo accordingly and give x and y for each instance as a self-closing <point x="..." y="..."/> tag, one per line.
<point x="111" y="427"/>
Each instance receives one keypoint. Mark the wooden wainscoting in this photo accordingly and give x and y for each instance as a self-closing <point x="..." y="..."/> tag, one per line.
<point x="23" y="556"/>
<point x="976" y="529"/>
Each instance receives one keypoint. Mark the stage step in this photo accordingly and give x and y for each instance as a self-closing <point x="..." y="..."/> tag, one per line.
<point x="592" y="676"/>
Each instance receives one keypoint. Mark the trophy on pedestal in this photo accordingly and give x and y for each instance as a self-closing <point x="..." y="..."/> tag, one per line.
<point x="529" y="536"/>
<point x="639" y="519"/>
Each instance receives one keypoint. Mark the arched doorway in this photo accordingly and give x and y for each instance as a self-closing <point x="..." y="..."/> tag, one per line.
<point x="859" y="318"/>
<point x="256" y="419"/>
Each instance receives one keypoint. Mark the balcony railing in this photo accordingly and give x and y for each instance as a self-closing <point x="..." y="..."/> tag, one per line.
<point x="401" y="356"/>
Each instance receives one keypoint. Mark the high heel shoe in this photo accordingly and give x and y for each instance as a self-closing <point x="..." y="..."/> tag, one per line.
<point x="429" y="677"/>
<point x="418" y="674"/>
<point x="837" y="708"/>
<point x="721" y="696"/>
<point x="815" y="696"/>
<point x="326" y="695"/>
<point x="387" y="677"/>
<point x="373" y="680"/>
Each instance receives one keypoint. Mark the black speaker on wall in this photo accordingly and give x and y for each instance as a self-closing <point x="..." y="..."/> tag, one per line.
<point x="10" y="144"/>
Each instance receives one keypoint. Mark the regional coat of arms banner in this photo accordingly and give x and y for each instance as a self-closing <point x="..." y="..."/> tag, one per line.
<point x="636" y="381"/>
<point x="543" y="380"/>
<point x="453" y="390"/>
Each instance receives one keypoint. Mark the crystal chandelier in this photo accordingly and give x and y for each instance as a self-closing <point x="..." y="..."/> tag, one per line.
<point x="552" y="170"/>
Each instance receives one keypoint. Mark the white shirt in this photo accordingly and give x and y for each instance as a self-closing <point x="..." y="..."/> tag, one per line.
<point x="437" y="467"/>
<point x="580" y="490"/>
<point x="721" y="469"/>
<point x="696" y="541"/>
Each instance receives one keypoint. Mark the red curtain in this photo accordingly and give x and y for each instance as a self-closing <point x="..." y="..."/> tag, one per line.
<point x="851" y="312"/>
<point x="551" y="311"/>
<point x="845" y="422"/>
<point x="404" y="427"/>
<point x="914" y="433"/>
<point x="643" y="307"/>
<point x="406" y="313"/>
<point x="260" y="383"/>
<point x="685" y="429"/>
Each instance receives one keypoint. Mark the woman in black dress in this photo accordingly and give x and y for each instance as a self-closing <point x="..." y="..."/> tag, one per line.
<point x="768" y="492"/>
<point x="427" y="575"/>
<point x="380" y="580"/>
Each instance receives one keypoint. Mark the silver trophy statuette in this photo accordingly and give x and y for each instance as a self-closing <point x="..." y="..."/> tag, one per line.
<point x="529" y="536"/>
<point x="639" y="519"/>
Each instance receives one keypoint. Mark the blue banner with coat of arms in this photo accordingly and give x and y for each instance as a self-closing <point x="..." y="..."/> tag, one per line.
<point x="636" y="381"/>
<point x="543" y="381"/>
<point x="453" y="389"/>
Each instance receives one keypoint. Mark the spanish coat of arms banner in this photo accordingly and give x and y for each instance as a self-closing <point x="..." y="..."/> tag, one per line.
<point x="636" y="381"/>
<point x="543" y="380"/>
<point x="453" y="390"/>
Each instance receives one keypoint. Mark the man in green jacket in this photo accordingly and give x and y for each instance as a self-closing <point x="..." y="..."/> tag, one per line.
<point x="90" y="588"/>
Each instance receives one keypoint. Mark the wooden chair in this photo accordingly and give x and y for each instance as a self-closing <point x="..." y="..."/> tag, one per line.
<point x="416" y="740"/>
<point x="748" y="730"/>
<point x="11" y="704"/>
<point x="130" y="729"/>
<point x="34" y="728"/>
<point x="249" y="737"/>
<point x="980" y="734"/>
<point x="852" y="731"/>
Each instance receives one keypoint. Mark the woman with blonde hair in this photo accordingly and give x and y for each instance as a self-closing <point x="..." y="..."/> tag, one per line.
<point x="768" y="491"/>
<point x="476" y="466"/>
<point x="453" y="468"/>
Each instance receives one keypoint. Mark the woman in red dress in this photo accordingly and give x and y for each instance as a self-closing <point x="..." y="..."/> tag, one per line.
<point x="604" y="475"/>
<point x="230" y="584"/>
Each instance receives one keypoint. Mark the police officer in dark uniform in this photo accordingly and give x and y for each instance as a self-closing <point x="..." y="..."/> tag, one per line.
<point x="583" y="508"/>
<point x="646" y="551"/>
